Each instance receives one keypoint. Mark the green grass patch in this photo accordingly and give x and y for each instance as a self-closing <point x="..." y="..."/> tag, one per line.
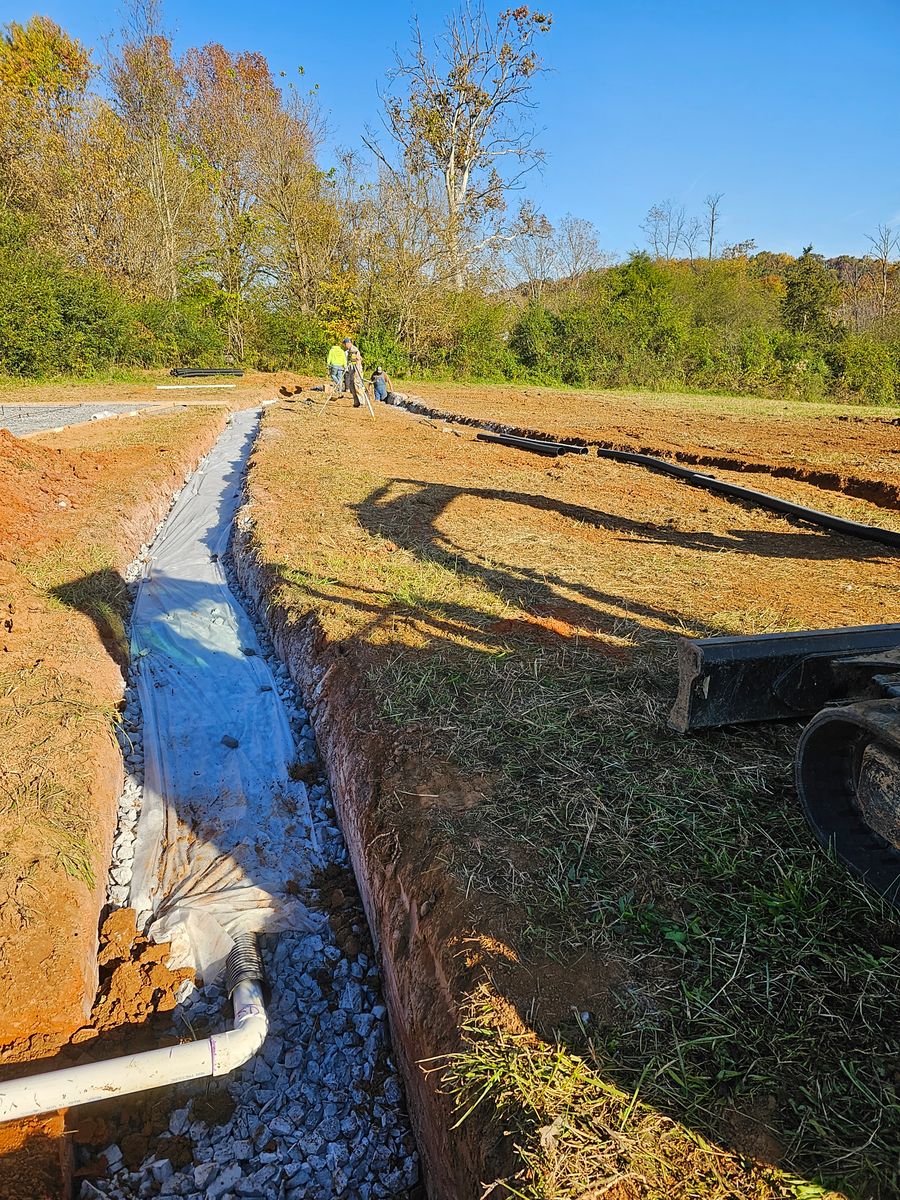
<point x="757" y="973"/>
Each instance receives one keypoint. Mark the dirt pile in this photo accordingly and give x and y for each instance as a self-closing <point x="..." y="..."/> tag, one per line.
<point x="135" y="982"/>
<point x="137" y="989"/>
<point x="47" y="493"/>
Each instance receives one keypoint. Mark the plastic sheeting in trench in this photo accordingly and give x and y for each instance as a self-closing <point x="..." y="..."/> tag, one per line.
<point x="225" y="838"/>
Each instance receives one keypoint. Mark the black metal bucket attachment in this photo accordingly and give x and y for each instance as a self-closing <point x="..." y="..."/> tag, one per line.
<point x="848" y="780"/>
<point x="779" y="676"/>
<point x="848" y="757"/>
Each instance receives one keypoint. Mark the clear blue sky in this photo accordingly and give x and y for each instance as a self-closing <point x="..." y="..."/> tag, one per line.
<point x="790" y="108"/>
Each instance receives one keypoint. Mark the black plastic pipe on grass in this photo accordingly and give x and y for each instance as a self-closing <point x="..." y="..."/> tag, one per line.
<point x="199" y="372"/>
<point x="871" y="533"/>
<point x="535" y="445"/>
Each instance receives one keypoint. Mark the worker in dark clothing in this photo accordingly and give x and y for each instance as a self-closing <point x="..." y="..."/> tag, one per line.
<point x="353" y="377"/>
<point x="381" y="383"/>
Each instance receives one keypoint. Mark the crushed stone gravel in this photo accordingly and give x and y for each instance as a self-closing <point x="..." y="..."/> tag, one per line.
<point x="20" y="419"/>
<point x="319" y="1113"/>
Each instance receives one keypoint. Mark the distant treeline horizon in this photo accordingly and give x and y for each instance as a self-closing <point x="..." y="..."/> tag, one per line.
<point x="157" y="210"/>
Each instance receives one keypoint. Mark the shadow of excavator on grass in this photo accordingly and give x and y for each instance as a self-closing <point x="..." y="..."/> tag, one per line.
<point x="701" y="911"/>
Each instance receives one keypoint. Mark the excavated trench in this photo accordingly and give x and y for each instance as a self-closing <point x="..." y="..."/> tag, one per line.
<point x="879" y="492"/>
<point x="320" y="1112"/>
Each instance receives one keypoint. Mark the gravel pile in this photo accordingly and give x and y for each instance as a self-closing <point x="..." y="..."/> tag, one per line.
<point x="319" y="1113"/>
<point x="20" y="419"/>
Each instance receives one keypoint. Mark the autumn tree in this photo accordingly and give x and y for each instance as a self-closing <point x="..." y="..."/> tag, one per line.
<point x="149" y="98"/>
<point x="44" y="73"/>
<point x="460" y="117"/>
<point x="232" y="104"/>
<point x="296" y="199"/>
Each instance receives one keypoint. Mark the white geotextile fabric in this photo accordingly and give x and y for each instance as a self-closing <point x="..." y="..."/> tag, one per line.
<point x="223" y="830"/>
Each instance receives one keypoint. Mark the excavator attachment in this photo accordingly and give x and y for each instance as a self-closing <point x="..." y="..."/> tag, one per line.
<point x="848" y="758"/>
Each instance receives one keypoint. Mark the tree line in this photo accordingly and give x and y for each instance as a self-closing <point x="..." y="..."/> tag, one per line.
<point x="159" y="208"/>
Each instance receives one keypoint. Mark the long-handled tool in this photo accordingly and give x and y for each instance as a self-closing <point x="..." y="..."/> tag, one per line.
<point x="361" y="383"/>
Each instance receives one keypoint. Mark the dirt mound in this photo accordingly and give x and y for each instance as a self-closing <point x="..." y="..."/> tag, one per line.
<point x="135" y="982"/>
<point x="37" y="488"/>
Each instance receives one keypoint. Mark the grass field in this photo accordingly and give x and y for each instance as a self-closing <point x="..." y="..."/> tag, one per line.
<point x="683" y="997"/>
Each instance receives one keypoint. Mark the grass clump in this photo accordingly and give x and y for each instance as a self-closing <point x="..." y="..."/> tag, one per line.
<point x="573" y="1127"/>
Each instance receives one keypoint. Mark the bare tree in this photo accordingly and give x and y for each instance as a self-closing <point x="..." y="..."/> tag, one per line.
<point x="693" y="231"/>
<point x="711" y="203"/>
<point x="884" y="243"/>
<point x="461" y="117"/>
<point x="577" y="248"/>
<point x="532" y="251"/>
<point x="664" y="226"/>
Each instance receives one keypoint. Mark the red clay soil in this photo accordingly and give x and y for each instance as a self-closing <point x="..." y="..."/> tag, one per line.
<point x="588" y="553"/>
<point x="74" y="508"/>
<point x="135" y="986"/>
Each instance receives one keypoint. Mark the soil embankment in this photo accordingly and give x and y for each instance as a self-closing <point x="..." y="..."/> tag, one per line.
<point x="567" y="897"/>
<point x="75" y="507"/>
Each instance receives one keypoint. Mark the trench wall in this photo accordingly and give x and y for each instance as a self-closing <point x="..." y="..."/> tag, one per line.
<point x="401" y="890"/>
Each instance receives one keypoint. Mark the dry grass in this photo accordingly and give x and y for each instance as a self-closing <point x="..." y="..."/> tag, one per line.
<point x="753" y="1011"/>
<point x="46" y="721"/>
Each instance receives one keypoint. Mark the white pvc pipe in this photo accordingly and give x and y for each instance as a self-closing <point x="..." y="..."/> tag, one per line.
<point x="183" y="387"/>
<point x="216" y="1055"/>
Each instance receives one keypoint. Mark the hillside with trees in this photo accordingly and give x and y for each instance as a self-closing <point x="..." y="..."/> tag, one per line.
<point x="159" y="208"/>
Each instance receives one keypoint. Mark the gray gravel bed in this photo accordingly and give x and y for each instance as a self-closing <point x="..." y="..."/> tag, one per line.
<point x="319" y="1113"/>
<point x="20" y="419"/>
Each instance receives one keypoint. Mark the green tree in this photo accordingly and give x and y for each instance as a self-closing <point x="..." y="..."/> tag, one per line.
<point x="812" y="293"/>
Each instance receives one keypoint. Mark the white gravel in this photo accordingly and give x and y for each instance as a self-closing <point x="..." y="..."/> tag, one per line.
<point x="20" y="419"/>
<point x="319" y="1113"/>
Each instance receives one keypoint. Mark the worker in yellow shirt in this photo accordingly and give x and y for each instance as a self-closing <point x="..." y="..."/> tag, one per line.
<point x="337" y="365"/>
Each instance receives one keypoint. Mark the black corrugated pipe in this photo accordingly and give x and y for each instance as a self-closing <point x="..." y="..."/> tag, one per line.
<point x="871" y="533"/>
<point x="199" y="372"/>
<point x="535" y="445"/>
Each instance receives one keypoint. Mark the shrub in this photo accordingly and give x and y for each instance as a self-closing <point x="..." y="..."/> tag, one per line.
<point x="867" y="369"/>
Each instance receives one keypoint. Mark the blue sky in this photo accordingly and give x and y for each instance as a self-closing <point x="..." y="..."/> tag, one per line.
<point x="790" y="109"/>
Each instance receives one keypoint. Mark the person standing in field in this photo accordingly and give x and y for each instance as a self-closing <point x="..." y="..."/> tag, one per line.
<point x="337" y="365"/>
<point x="354" y="373"/>
<point x="381" y="383"/>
